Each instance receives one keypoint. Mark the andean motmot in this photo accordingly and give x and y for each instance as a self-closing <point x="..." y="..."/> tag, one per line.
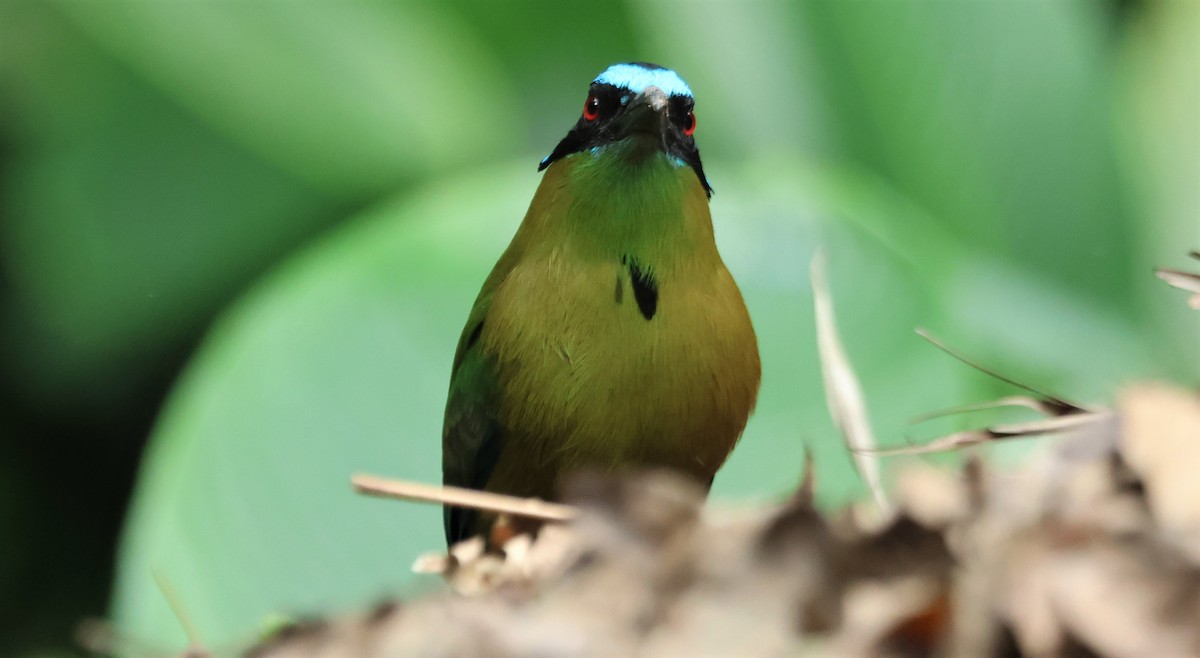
<point x="610" y="333"/>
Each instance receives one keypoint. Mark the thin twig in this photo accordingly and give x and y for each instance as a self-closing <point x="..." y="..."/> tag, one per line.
<point x="173" y="600"/>
<point x="806" y="492"/>
<point x="1062" y="405"/>
<point x="1188" y="281"/>
<point x="957" y="440"/>
<point x="843" y="393"/>
<point x="531" y="508"/>
<point x="1009" y="401"/>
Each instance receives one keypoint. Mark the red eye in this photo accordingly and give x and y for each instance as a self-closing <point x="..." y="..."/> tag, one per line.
<point x="690" y="119"/>
<point x="591" y="108"/>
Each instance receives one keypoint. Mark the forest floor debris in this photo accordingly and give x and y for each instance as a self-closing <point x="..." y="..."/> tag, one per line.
<point x="1091" y="548"/>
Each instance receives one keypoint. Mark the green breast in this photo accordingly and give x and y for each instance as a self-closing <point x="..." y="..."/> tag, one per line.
<point x="630" y="347"/>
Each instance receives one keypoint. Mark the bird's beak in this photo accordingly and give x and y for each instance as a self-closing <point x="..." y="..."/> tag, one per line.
<point x="646" y="113"/>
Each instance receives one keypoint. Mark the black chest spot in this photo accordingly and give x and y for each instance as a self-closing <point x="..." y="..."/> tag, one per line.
<point x="645" y="288"/>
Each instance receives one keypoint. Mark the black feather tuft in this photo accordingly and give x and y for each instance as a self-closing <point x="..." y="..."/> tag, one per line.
<point x="645" y="288"/>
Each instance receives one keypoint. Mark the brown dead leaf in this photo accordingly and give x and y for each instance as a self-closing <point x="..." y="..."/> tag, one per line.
<point x="843" y="393"/>
<point x="1161" y="443"/>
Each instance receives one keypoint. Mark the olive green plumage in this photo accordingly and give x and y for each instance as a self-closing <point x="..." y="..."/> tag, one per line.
<point x="609" y="333"/>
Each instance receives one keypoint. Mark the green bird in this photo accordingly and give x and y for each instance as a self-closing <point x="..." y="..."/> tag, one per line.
<point x="609" y="334"/>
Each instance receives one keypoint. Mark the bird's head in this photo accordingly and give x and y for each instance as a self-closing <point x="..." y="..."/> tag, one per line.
<point x="644" y="108"/>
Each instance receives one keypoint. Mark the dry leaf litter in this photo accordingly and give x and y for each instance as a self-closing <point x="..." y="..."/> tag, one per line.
<point x="1091" y="548"/>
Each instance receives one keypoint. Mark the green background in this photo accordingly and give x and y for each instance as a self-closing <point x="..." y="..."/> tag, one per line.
<point x="244" y="237"/>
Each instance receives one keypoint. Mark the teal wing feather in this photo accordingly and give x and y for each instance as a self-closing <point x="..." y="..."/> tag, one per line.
<point x="471" y="436"/>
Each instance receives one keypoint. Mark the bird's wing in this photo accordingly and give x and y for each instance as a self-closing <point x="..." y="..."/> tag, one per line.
<point x="471" y="436"/>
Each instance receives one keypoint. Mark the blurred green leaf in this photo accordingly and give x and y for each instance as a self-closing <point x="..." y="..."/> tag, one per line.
<point x="549" y="51"/>
<point x="349" y="96"/>
<point x="126" y="221"/>
<point x="1160" y="103"/>
<point x="991" y="116"/>
<point x="753" y="101"/>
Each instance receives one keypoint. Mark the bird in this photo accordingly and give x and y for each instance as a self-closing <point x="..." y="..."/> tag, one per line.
<point x="610" y="334"/>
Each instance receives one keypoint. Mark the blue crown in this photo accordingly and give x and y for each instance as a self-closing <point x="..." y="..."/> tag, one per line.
<point x="637" y="77"/>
